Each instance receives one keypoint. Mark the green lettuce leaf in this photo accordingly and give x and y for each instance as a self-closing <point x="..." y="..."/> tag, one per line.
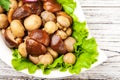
<point x="68" y="5"/>
<point x="5" y="4"/>
<point x="87" y="56"/>
<point x="20" y="63"/>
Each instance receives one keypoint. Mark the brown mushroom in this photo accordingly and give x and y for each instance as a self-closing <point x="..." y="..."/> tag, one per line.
<point x="28" y="9"/>
<point x="17" y="28"/>
<point x="63" y="21"/>
<point x="13" y="7"/>
<point x="59" y="26"/>
<point x="35" y="7"/>
<point x="48" y="16"/>
<point x="3" y="21"/>
<point x="69" y="58"/>
<point x="22" y="50"/>
<point x="13" y="4"/>
<point x="20" y="3"/>
<point x="46" y="59"/>
<point x="32" y="22"/>
<point x="1" y="10"/>
<point x="34" y="59"/>
<point x="52" y="52"/>
<point x="69" y="31"/>
<point x="10" y="13"/>
<point x="50" y="27"/>
<point x="42" y="59"/>
<point x="62" y="34"/>
<point x="51" y="5"/>
<point x="40" y="36"/>
<point x="34" y="48"/>
<point x="57" y="44"/>
<point x="21" y="12"/>
<point x="61" y="13"/>
<point x="69" y="43"/>
<point x="10" y="39"/>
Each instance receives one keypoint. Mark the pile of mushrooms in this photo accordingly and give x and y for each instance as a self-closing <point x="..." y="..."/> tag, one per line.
<point x="40" y="30"/>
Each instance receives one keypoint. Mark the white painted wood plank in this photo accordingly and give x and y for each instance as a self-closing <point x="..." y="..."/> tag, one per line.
<point x="107" y="36"/>
<point x="104" y="26"/>
<point x="102" y="15"/>
<point x="107" y="3"/>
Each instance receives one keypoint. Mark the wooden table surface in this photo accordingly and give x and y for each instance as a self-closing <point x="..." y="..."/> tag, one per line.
<point x="103" y="17"/>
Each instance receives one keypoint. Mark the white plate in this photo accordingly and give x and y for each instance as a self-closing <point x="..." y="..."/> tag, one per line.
<point x="6" y="54"/>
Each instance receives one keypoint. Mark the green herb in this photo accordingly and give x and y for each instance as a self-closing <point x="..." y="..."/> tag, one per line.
<point x="5" y="4"/>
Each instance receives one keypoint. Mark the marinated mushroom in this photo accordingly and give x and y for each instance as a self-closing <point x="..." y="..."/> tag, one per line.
<point x="52" y="52"/>
<point x="10" y="13"/>
<point x="69" y="43"/>
<point x="61" y="13"/>
<point x="64" y="29"/>
<point x="48" y="16"/>
<point x="20" y="3"/>
<point x="28" y="9"/>
<point x="51" y="5"/>
<point x="1" y="10"/>
<point x="69" y="58"/>
<point x="3" y="21"/>
<point x="13" y="7"/>
<point x="32" y="22"/>
<point x="34" y="59"/>
<point x="34" y="48"/>
<point x="17" y="28"/>
<point x="21" y="12"/>
<point x="22" y="50"/>
<point x="35" y="7"/>
<point x="57" y="44"/>
<point x="63" y="21"/>
<point x="62" y="34"/>
<point x="40" y="36"/>
<point x="69" y="31"/>
<point x="50" y="27"/>
<point x="59" y="26"/>
<point x="46" y="59"/>
<point x="13" y="4"/>
<point x="10" y="40"/>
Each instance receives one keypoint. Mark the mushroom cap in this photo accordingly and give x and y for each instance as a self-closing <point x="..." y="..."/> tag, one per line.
<point x="46" y="59"/>
<point x="57" y="44"/>
<point x="34" y="48"/>
<point x="17" y="28"/>
<point x="3" y="21"/>
<point x="69" y="43"/>
<point x="48" y="16"/>
<point x="69" y="58"/>
<point x="50" y="27"/>
<point x="32" y="22"/>
<point x="51" y="5"/>
<point x="10" y="40"/>
<point x="40" y="36"/>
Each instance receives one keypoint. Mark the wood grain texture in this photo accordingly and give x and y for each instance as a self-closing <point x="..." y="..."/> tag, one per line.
<point x="100" y="3"/>
<point x="103" y="18"/>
